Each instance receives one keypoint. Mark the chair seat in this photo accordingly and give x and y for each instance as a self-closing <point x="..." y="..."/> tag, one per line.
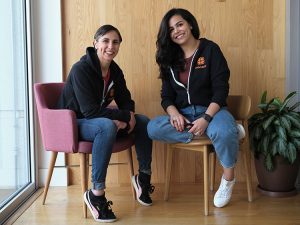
<point x="202" y="140"/>
<point x="123" y="143"/>
<point x="120" y="144"/>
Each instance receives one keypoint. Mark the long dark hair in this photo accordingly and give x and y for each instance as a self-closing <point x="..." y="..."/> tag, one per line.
<point x="105" y="29"/>
<point x="168" y="53"/>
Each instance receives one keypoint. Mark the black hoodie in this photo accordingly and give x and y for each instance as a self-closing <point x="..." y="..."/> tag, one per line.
<point x="207" y="81"/>
<point x="84" y="90"/>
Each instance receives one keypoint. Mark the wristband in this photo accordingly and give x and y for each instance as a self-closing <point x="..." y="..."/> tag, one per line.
<point x="207" y="117"/>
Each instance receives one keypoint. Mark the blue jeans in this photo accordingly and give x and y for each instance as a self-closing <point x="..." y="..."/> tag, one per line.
<point x="222" y="131"/>
<point x="103" y="132"/>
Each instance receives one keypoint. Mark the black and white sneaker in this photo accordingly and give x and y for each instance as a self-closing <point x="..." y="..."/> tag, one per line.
<point x="143" y="189"/>
<point x="99" y="207"/>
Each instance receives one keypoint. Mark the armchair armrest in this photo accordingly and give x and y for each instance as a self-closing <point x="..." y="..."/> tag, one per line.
<point x="59" y="130"/>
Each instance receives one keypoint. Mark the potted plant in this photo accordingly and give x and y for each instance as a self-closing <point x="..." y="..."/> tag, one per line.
<point x="274" y="135"/>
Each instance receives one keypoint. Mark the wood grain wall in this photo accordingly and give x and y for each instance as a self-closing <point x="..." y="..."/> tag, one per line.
<point x="250" y="33"/>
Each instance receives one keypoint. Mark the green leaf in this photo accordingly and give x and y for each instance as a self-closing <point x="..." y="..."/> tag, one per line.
<point x="292" y="153"/>
<point x="265" y="144"/>
<point x="294" y="133"/>
<point x="277" y="122"/>
<point x="282" y="147"/>
<point x="293" y="107"/>
<point x="264" y="97"/>
<point x="293" y="119"/>
<point x="289" y="96"/>
<point x="268" y="122"/>
<point x="281" y="133"/>
<point x="277" y="103"/>
<point x="262" y="107"/>
<point x="255" y="119"/>
<point x="257" y="132"/>
<point x="287" y="100"/>
<point x="296" y="115"/>
<point x="268" y="105"/>
<point x="296" y="142"/>
<point x="273" y="149"/>
<point x="268" y="162"/>
<point x="285" y="123"/>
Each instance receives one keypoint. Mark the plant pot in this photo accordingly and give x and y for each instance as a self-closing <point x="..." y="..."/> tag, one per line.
<point x="281" y="181"/>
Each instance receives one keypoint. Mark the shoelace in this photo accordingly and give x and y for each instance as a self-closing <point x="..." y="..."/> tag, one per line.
<point x="150" y="188"/>
<point x="147" y="189"/>
<point x="224" y="191"/>
<point x="105" y="208"/>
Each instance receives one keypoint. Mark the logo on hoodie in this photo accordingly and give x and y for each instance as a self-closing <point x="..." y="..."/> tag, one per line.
<point x="200" y="63"/>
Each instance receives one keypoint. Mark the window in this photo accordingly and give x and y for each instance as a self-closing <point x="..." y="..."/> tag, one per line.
<point x="16" y="156"/>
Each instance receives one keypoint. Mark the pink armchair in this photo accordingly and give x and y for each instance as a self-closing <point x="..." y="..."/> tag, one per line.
<point x="60" y="134"/>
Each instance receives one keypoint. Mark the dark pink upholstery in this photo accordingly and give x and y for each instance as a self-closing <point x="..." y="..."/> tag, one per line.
<point x="59" y="126"/>
<point x="120" y="145"/>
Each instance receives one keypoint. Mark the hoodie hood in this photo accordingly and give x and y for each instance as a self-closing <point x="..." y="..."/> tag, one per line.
<point x="91" y="59"/>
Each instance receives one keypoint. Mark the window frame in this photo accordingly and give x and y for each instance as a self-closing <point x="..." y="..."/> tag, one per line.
<point x="13" y="203"/>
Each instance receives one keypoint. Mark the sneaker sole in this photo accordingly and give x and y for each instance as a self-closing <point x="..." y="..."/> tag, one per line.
<point x="91" y="210"/>
<point x="136" y="192"/>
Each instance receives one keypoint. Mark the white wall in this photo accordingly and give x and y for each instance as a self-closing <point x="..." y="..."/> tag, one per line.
<point x="293" y="52"/>
<point x="47" y="67"/>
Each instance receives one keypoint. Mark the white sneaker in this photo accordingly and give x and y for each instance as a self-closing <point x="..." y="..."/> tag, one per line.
<point x="223" y="194"/>
<point x="241" y="131"/>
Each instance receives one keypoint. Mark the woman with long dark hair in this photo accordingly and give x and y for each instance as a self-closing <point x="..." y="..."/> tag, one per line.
<point x="195" y="76"/>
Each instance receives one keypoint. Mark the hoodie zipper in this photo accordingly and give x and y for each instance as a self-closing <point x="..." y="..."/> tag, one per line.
<point x="105" y="94"/>
<point x="188" y="84"/>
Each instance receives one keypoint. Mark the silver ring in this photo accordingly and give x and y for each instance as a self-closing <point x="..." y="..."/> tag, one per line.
<point x="197" y="133"/>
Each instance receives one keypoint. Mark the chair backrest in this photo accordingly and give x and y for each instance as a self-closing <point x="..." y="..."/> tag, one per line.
<point x="239" y="106"/>
<point x="47" y="94"/>
<point x="58" y="126"/>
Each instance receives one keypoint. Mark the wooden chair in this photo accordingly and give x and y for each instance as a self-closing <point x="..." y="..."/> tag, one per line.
<point x="239" y="106"/>
<point x="60" y="134"/>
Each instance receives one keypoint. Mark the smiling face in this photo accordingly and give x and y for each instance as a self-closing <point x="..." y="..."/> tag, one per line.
<point x="180" y="30"/>
<point x="107" y="46"/>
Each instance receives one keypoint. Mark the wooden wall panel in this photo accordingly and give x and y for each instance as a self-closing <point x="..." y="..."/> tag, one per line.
<point x="249" y="32"/>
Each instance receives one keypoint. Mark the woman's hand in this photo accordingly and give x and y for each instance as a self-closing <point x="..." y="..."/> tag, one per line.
<point x="120" y="124"/>
<point x="199" y="127"/>
<point x="132" y="122"/>
<point x="178" y="121"/>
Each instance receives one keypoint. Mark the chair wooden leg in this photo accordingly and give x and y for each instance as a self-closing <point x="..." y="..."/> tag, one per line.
<point x="87" y="170"/>
<point x="168" y="170"/>
<point x="212" y="164"/>
<point x="246" y="157"/>
<point x="83" y="179"/>
<point x="50" y="172"/>
<point x="205" y="169"/>
<point x="131" y="170"/>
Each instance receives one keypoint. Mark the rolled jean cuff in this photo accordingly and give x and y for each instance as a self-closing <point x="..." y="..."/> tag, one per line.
<point x="146" y="171"/>
<point x="99" y="186"/>
<point x="227" y="167"/>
